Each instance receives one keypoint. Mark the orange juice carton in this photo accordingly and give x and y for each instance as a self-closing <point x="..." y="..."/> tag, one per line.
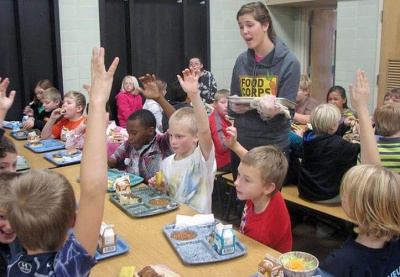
<point x="107" y="240"/>
<point x="225" y="239"/>
<point x="122" y="184"/>
<point x="270" y="267"/>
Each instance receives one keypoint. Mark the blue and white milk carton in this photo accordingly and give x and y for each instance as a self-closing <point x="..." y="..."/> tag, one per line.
<point x="225" y="239"/>
<point x="15" y="127"/>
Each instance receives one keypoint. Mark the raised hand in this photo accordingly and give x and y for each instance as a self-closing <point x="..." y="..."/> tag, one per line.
<point x="190" y="82"/>
<point x="5" y="102"/>
<point x="150" y="87"/>
<point x="359" y="95"/>
<point x="101" y="78"/>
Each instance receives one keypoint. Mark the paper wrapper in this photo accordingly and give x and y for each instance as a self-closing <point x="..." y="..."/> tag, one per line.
<point x="183" y="221"/>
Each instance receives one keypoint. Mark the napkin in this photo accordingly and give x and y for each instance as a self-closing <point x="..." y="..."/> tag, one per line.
<point x="183" y="221"/>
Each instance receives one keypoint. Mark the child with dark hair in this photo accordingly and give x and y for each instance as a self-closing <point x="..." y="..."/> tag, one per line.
<point x="144" y="151"/>
<point x="337" y="96"/>
<point x="392" y="97"/>
<point x="35" y="107"/>
<point x="8" y="156"/>
<point x="207" y="84"/>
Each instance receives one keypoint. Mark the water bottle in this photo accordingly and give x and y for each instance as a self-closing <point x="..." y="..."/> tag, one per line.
<point x="25" y="118"/>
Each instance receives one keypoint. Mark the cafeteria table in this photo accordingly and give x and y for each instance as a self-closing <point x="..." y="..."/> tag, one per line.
<point x="149" y="246"/>
<point x="36" y="160"/>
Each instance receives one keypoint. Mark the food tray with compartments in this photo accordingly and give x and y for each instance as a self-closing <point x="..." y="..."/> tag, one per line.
<point x="8" y="124"/>
<point x="22" y="163"/>
<point x="199" y="250"/>
<point x="66" y="159"/>
<point x="23" y="134"/>
<point x="122" y="248"/>
<point x="47" y="145"/>
<point x="149" y="202"/>
<point x="113" y="174"/>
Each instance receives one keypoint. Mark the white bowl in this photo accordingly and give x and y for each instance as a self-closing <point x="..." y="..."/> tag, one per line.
<point x="299" y="273"/>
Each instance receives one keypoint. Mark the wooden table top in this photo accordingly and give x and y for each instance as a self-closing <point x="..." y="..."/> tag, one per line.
<point x="148" y="245"/>
<point x="36" y="160"/>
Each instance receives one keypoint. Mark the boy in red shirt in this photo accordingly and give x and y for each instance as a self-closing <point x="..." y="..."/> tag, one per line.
<point x="218" y="125"/>
<point x="261" y="173"/>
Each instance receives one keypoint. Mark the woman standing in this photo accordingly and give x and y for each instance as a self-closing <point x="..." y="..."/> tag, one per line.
<point x="267" y="69"/>
<point x="207" y="84"/>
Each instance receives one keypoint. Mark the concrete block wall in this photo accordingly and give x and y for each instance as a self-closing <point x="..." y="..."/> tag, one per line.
<point x="357" y="41"/>
<point x="226" y="42"/>
<point x="80" y="31"/>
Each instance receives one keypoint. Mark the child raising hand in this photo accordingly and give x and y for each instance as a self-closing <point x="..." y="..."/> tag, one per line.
<point x="189" y="173"/>
<point x="41" y="204"/>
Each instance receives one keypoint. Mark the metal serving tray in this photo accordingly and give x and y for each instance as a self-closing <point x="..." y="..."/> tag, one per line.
<point x="199" y="250"/>
<point x="247" y="101"/>
<point x="144" y="208"/>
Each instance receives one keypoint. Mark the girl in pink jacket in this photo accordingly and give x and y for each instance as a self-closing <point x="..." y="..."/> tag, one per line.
<point x="128" y="99"/>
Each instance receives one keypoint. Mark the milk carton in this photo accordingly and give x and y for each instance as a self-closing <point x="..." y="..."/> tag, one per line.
<point x="122" y="184"/>
<point x="107" y="240"/>
<point x="225" y="239"/>
<point x="270" y="267"/>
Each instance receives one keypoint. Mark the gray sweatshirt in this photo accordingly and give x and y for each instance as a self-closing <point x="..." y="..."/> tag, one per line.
<point x="279" y="74"/>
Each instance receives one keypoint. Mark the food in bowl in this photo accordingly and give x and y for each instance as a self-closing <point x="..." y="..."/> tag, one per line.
<point x="298" y="263"/>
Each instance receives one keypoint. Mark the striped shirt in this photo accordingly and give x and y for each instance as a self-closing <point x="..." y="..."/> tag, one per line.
<point x="389" y="151"/>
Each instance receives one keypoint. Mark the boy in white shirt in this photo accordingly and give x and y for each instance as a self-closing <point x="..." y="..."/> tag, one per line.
<point x="189" y="173"/>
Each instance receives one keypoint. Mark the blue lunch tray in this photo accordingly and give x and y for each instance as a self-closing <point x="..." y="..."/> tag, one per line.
<point x="48" y="145"/>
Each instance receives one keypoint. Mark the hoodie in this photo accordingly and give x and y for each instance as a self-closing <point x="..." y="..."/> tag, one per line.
<point x="325" y="160"/>
<point x="278" y="74"/>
